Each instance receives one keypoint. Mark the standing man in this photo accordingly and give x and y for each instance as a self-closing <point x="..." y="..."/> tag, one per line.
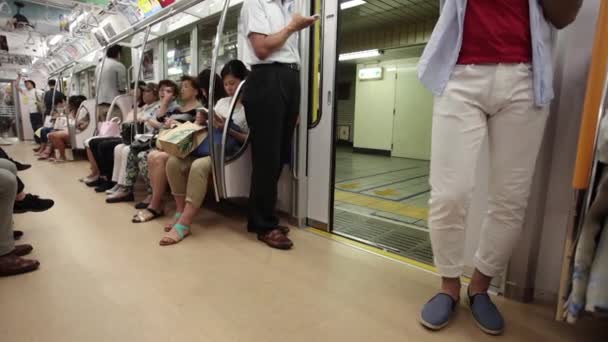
<point x="489" y="64"/>
<point x="50" y="96"/>
<point x="113" y="81"/>
<point x="268" y="33"/>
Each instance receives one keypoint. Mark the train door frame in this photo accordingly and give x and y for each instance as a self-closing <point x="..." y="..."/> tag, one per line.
<point x="320" y="168"/>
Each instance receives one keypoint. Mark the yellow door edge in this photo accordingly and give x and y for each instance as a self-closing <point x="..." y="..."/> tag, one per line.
<point x="378" y="251"/>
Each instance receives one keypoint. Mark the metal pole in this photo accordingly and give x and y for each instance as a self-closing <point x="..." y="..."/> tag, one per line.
<point x="216" y="49"/>
<point x="138" y="73"/>
<point x="222" y="151"/>
<point x="98" y="83"/>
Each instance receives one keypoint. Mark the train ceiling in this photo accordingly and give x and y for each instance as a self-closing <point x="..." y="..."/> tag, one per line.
<point x="366" y="14"/>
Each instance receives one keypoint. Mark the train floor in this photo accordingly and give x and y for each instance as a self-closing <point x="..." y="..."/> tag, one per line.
<point x="383" y="201"/>
<point x="103" y="278"/>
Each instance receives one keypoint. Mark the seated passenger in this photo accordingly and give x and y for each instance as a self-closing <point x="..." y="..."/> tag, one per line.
<point x="137" y="160"/>
<point x="60" y="139"/>
<point x="189" y="177"/>
<point x="20" y="166"/>
<point x="121" y="193"/>
<point x="24" y="202"/>
<point x="11" y="261"/>
<point x="58" y="124"/>
<point x="190" y="93"/>
<point x="102" y="149"/>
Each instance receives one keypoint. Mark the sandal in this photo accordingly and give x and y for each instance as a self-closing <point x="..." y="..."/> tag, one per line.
<point x="175" y="235"/>
<point x="146" y="215"/>
<point x="145" y="203"/>
<point x="12" y="265"/>
<point x="142" y="205"/>
<point x="170" y="226"/>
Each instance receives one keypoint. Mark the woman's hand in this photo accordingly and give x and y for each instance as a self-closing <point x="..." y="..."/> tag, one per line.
<point x="218" y="122"/>
<point x="201" y="118"/>
<point x="170" y="122"/>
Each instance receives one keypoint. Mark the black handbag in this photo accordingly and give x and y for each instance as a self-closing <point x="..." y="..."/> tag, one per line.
<point x="128" y="130"/>
<point x="142" y="143"/>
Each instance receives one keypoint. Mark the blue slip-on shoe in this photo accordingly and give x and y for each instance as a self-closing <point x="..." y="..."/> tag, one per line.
<point x="486" y="314"/>
<point x="437" y="312"/>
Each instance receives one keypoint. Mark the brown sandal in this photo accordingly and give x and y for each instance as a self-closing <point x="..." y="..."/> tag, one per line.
<point x="175" y="235"/>
<point x="12" y="265"/>
<point x="276" y="238"/>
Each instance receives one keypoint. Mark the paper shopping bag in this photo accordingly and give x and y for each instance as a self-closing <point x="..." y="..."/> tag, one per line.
<point x="183" y="139"/>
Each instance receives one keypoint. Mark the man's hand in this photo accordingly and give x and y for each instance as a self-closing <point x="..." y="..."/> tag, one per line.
<point x="265" y="45"/>
<point x="299" y="22"/>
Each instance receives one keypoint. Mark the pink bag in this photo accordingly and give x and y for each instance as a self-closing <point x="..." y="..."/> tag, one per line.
<point x="110" y="128"/>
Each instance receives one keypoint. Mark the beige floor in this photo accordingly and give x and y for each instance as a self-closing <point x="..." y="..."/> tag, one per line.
<point x="105" y="279"/>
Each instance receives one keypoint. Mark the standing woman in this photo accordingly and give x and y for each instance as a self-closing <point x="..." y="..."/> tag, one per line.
<point x="32" y="99"/>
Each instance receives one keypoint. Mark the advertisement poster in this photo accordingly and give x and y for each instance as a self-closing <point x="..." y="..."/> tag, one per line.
<point x="148" y="65"/>
<point x="148" y="7"/>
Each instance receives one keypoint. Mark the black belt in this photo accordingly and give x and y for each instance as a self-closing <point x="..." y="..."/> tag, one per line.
<point x="291" y="66"/>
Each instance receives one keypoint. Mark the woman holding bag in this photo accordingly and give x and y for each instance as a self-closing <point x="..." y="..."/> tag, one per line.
<point x="189" y="177"/>
<point x="190" y="93"/>
<point x="103" y="148"/>
<point x="151" y="107"/>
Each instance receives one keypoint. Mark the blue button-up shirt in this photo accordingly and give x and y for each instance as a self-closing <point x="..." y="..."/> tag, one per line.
<point x="442" y="51"/>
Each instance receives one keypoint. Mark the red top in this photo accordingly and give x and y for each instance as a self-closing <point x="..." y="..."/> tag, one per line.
<point x="496" y="32"/>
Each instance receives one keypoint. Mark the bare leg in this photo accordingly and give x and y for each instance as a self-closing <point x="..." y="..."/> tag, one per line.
<point x="94" y="168"/>
<point x="188" y="214"/>
<point x="451" y="286"/>
<point x="59" y="141"/>
<point x="180" y="203"/>
<point x="158" y="177"/>
<point x="480" y="283"/>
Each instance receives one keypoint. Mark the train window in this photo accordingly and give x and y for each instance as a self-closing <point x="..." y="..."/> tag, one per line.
<point x="178" y="56"/>
<point x="228" y="45"/>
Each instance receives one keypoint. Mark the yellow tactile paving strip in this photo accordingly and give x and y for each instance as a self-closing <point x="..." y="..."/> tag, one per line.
<point x="388" y="206"/>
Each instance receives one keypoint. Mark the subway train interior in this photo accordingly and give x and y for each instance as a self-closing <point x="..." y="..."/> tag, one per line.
<point x="354" y="188"/>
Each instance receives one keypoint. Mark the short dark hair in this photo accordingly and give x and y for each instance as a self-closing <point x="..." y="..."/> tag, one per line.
<point x="141" y="84"/>
<point x="168" y="84"/>
<point x="52" y="83"/>
<point x="75" y="101"/>
<point x="204" y="79"/>
<point x="194" y="83"/>
<point x="114" y="51"/>
<point x="153" y="87"/>
<point x="235" y="68"/>
<point x="59" y="98"/>
<point x="31" y="82"/>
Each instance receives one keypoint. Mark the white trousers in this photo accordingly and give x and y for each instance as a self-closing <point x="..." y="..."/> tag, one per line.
<point x="496" y="101"/>
<point x="119" y="173"/>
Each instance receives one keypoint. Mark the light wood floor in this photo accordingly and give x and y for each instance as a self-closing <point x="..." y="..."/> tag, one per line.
<point x="105" y="279"/>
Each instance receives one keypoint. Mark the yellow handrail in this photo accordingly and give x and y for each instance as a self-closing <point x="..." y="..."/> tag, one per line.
<point x="593" y="98"/>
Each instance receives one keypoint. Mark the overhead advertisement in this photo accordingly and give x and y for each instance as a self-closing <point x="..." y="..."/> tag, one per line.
<point x="149" y="7"/>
